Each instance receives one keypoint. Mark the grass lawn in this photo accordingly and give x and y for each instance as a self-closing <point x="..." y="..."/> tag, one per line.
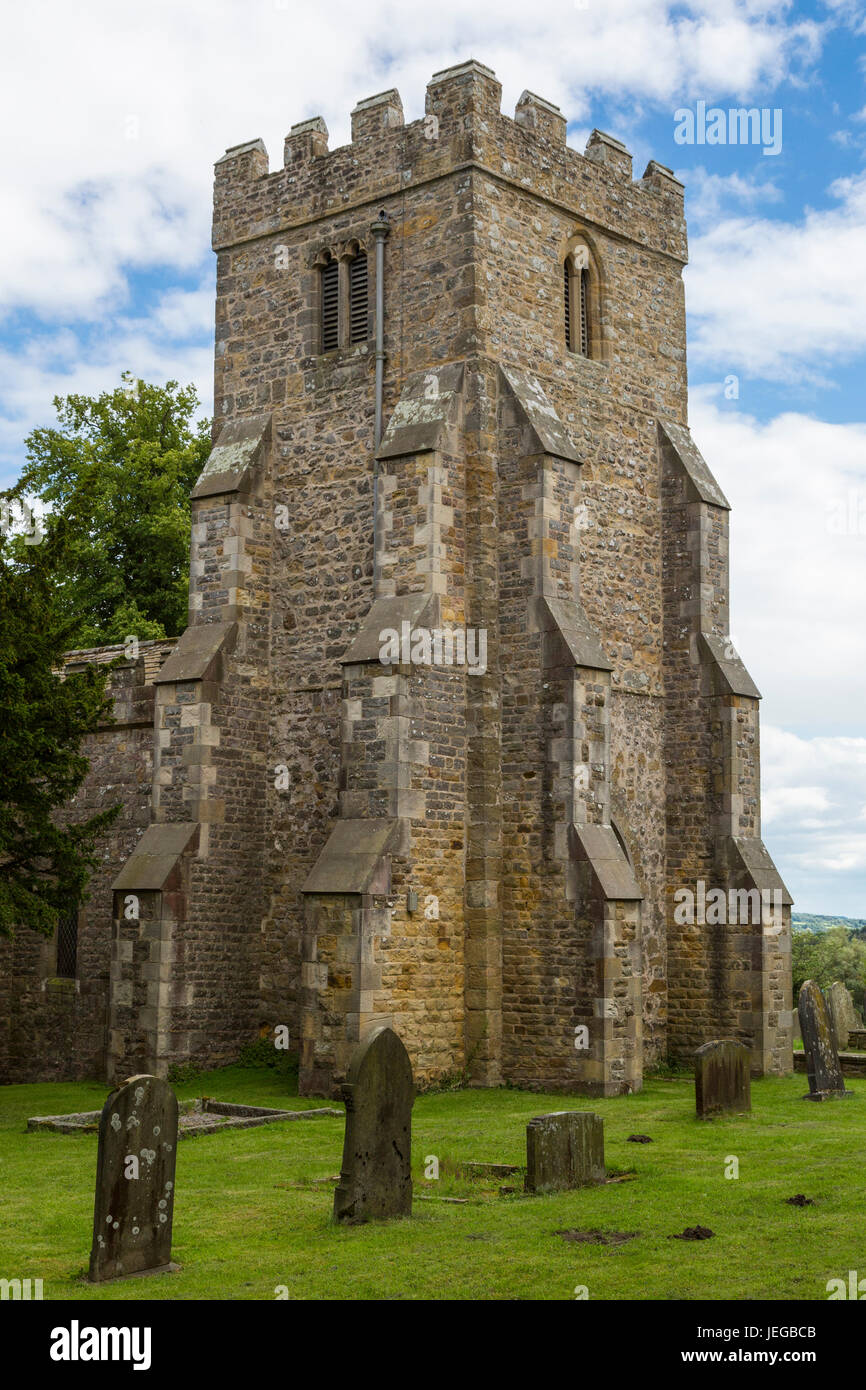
<point x="247" y="1217"/>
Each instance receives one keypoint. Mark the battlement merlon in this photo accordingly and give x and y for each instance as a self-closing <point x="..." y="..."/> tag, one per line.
<point x="463" y="127"/>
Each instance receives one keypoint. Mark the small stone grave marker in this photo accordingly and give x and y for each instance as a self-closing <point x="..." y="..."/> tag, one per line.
<point x="379" y="1091"/>
<point x="722" y="1079"/>
<point x="564" y="1149"/>
<point x="843" y="1019"/>
<point x="135" y="1166"/>
<point x="822" y="1059"/>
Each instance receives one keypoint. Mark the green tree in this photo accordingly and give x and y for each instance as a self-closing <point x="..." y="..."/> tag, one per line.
<point x="43" y="718"/>
<point x="836" y="954"/>
<point x="115" y="479"/>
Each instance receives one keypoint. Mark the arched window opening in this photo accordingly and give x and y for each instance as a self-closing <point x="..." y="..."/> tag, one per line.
<point x="67" y="942"/>
<point x="577" y="302"/>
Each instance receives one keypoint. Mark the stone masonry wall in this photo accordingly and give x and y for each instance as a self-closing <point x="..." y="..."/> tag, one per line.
<point x="552" y="805"/>
<point x="56" y="1029"/>
<point x="480" y="218"/>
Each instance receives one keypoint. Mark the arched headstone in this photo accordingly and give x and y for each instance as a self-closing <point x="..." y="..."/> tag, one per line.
<point x="135" y="1166"/>
<point x="379" y="1091"/>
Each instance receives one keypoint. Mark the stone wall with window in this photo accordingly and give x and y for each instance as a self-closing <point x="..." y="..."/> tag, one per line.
<point x="56" y="1027"/>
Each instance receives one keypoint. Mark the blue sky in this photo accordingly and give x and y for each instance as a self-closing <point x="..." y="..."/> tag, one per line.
<point x="107" y="266"/>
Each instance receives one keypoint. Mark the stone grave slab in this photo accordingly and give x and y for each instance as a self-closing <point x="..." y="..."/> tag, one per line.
<point x="135" y="1167"/>
<point x="564" y="1149"/>
<point x="819" y="1045"/>
<point x="722" y="1079"/>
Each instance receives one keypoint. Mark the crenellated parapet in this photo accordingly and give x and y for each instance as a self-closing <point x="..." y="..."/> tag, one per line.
<point x="463" y="127"/>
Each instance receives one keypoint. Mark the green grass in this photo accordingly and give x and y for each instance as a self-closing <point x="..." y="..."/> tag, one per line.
<point x="241" y="1229"/>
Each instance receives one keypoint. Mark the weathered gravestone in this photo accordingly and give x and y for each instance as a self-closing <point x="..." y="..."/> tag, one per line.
<point x="722" y="1079"/>
<point x="843" y="1016"/>
<point x="379" y="1091"/>
<point x="135" y="1165"/>
<point x="564" y="1149"/>
<point x="822" y="1059"/>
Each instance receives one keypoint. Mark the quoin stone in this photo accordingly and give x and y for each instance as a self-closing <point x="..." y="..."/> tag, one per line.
<point x="135" y="1168"/>
<point x="564" y="1149"/>
<point x="819" y="1045"/>
<point x="722" y="1079"/>
<point x="376" y="1176"/>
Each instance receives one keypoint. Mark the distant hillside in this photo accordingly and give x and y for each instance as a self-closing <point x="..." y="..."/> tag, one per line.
<point x="809" y="921"/>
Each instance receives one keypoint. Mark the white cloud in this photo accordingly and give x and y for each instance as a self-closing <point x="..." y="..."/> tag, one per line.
<point x="778" y="803"/>
<point x="708" y="195"/>
<point x="60" y="364"/>
<point x="779" y="299"/>
<point x="798" y="557"/>
<point x="182" y="314"/>
<point x="67" y="256"/>
<point x="119" y="112"/>
<point x="821" y="857"/>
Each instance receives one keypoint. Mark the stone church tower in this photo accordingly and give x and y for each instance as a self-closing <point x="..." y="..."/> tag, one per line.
<point x="451" y="413"/>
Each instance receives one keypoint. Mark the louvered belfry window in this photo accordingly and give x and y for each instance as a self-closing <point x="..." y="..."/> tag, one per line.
<point x="330" y="274"/>
<point x="358" y="299"/>
<point x="67" y="942"/>
<point x="584" y="320"/>
<point x="576" y="307"/>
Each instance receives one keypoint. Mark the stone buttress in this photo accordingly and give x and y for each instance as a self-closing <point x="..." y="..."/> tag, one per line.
<point x="188" y="902"/>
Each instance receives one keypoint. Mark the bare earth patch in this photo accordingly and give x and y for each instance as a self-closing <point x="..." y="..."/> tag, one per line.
<point x="598" y="1237"/>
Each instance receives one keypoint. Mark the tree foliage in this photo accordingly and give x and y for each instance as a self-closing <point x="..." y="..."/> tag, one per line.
<point x="836" y="954"/>
<point x="115" y="479"/>
<point x="44" y="863"/>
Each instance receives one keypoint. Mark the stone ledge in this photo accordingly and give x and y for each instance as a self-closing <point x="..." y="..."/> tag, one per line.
<point x="235" y="150"/>
<point x="354" y="859"/>
<point x="598" y="845"/>
<point x="731" y="674"/>
<point x="197" y="653"/>
<point x="391" y="611"/>
<point x="155" y="856"/>
<point x="234" y="457"/>
<point x="852" y="1063"/>
<point x="551" y="436"/>
<point x="420" y="419"/>
<point x="752" y="856"/>
<point x="705" y="488"/>
<point x="567" y="618"/>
